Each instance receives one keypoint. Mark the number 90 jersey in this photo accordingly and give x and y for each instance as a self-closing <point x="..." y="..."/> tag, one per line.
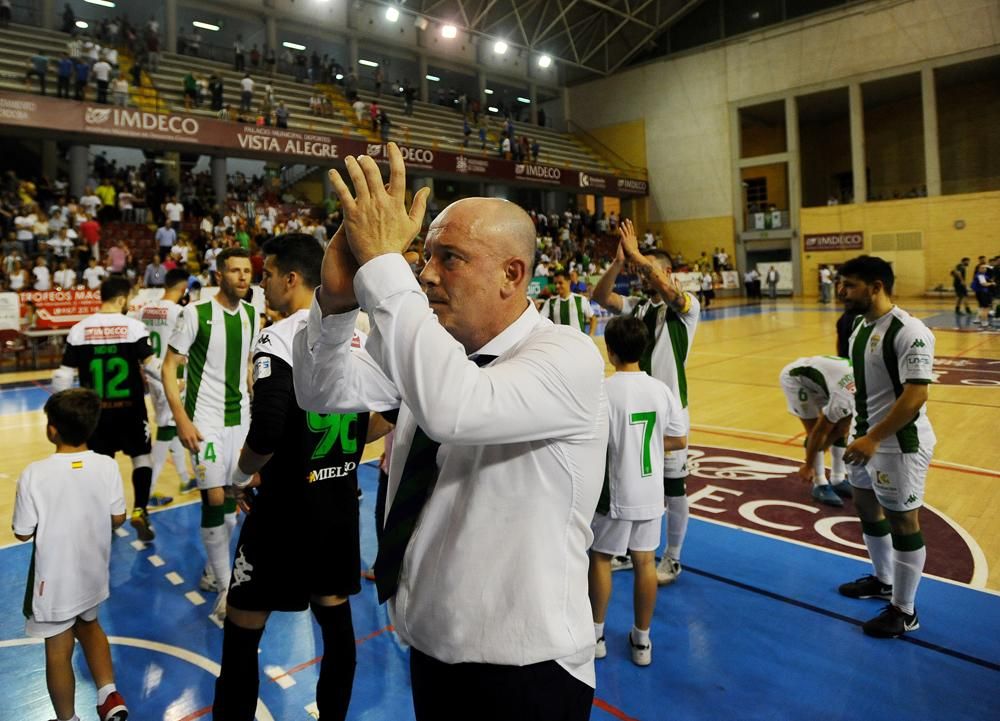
<point x="108" y="350"/>
<point x="314" y="453"/>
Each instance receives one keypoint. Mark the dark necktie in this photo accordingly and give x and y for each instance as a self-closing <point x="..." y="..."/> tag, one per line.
<point x="415" y="486"/>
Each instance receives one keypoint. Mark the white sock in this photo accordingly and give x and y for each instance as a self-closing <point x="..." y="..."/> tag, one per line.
<point x="676" y="519"/>
<point x="179" y="456"/>
<point x="104" y="691"/>
<point x="820" y="478"/>
<point x="230" y="523"/>
<point x="598" y="631"/>
<point x="906" y="570"/>
<point x="838" y="469"/>
<point x="217" y="549"/>
<point x="640" y="637"/>
<point x="880" y="551"/>
<point x="160" y="449"/>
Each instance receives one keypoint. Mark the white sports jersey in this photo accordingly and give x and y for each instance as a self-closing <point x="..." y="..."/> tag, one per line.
<point x="160" y="317"/>
<point x="67" y="501"/>
<point x="217" y="343"/>
<point x="671" y="349"/>
<point x="642" y="410"/>
<point x="822" y="381"/>
<point x="574" y="311"/>
<point x="895" y="349"/>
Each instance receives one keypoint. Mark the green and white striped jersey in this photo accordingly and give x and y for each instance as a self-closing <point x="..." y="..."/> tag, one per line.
<point x="574" y="311"/>
<point x="217" y="343"/>
<point x="895" y="349"/>
<point x="160" y="318"/>
<point x="666" y="358"/>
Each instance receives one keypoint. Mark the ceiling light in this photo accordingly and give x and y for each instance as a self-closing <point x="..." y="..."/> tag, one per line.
<point x="293" y="46"/>
<point x="526" y="101"/>
<point x="368" y="63"/>
<point x="433" y="78"/>
<point x="500" y="47"/>
<point x="493" y="109"/>
<point x="755" y="15"/>
<point x="82" y="24"/>
<point x="449" y="31"/>
<point x="206" y="26"/>
<point x="391" y="14"/>
<point x="340" y="76"/>
<point x="102" y="3"/>
<point x="487" y="91"/>
<point x="544" y="61"/>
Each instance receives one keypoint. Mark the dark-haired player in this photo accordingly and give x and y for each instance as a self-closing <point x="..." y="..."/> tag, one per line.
<point x="299" y="546"/>
<point x="892" y="354"/>
<point x="109" y="351"/>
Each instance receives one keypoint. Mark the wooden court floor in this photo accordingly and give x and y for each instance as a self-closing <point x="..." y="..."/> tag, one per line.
<point x="735" y="403"/>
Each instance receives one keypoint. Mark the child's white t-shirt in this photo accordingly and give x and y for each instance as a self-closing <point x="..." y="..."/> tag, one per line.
<point x="642" y="410"/>
<point x="67" y="501"/>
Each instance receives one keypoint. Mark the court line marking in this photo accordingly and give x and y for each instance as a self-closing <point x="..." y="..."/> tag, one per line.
<point x="980" y="566"/>
<point x="205" y="664"/>
<point x="991" y="665"/>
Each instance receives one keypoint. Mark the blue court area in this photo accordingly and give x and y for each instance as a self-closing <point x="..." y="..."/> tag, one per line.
<point x="753" y="629"/>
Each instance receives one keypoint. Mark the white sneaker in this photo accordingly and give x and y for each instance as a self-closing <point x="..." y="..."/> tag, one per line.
<point x="601" y="650"/>
<point x="667" y="571"/>
<point x="218" y="615"/>
<point x="621" y="563"/>
<point x="208" y="582"/>
<point x="641" y="655"/>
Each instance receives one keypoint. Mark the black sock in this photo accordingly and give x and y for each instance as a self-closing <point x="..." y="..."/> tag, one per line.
<point x="142" y="479"/>
<point x="238" y="684"/>
<point x="336" y="671"/>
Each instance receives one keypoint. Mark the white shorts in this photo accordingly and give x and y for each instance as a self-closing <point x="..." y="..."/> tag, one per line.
<point x="802" y="402"/>
<point x="896" y="478"/>
<point x="162" y="415"/>
<point x="616" y="536"/>
<point x="48" y="629"/>
<point x="675" y="464"/>
<point x="220" y="450"/>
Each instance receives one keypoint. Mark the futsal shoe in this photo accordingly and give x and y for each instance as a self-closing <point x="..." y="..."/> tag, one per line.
<point x="113" y="708"/>
<point x="891" y="623"/>
<point x="218" y="614"/>
<point x="208" y="582"/>
<point x="159" y="499"/>
<point x="140" y="522"/>
<point x="842" y="489"/>
<point x="191" y="485"/>
<point x="867" y="587"/>
<point x="621" y="563"/>
<point x="667" y="571"/>
<point x="826" y="495"/>
<point x="601" y="649"/>
<point x="641" y="655"/>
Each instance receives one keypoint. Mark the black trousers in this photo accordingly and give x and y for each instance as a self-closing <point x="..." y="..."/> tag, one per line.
<point x="485" y="692"/>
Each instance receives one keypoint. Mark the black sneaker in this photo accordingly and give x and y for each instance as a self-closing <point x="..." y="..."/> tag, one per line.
<point x="891" y="623"/>
<point x="867" y="587"/>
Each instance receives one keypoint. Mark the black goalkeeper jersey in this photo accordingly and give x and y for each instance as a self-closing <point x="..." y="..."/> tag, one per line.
<point x="108" y="350"/>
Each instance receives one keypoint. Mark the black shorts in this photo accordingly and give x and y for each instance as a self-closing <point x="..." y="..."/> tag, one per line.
<point x="961" y="291"/>
<point x="284" y="558"/>
<point x="121" y="430"/>
<point x="985" y="298"/>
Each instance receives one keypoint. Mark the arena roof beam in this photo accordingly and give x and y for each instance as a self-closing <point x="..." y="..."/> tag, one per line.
<point x="660" y="28"/>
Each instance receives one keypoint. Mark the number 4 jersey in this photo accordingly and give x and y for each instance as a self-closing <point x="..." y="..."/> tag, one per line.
<point x="316" y="455"/>
<point x="108" y="350"/>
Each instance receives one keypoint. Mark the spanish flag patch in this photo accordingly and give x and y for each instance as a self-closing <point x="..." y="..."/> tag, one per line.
<point x="77" y="465"/>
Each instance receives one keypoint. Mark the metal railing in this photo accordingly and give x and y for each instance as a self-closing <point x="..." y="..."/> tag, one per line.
<point x="603" y="150"/>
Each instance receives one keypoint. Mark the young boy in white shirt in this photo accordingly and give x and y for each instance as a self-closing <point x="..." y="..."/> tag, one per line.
<point x="646" y="420"/>
<point x="69" y="503"/>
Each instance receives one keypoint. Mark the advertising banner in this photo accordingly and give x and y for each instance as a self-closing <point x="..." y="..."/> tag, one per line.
<point x="851" y="240"/>
<point x="60" y="308"/>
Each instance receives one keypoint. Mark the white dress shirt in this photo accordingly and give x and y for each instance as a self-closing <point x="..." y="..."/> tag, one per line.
<point x="496" y="569"/>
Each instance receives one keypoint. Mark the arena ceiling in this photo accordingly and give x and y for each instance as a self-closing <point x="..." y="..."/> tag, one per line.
<point x="586" y="37"/>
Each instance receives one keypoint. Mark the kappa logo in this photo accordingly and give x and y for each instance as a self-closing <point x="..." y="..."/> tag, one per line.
<point x="265" y="339"/>
<point x="241" y="569"/>
<point x="911" y="499"/>
<point x="918" y="343"/>
<point x="763" y="493"/>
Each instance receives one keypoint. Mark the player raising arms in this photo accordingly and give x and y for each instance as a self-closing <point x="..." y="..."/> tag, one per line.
<point x="216" y="336"/>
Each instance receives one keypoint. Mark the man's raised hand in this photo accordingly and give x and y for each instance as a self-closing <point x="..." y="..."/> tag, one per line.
<point x="375" y="217"/>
